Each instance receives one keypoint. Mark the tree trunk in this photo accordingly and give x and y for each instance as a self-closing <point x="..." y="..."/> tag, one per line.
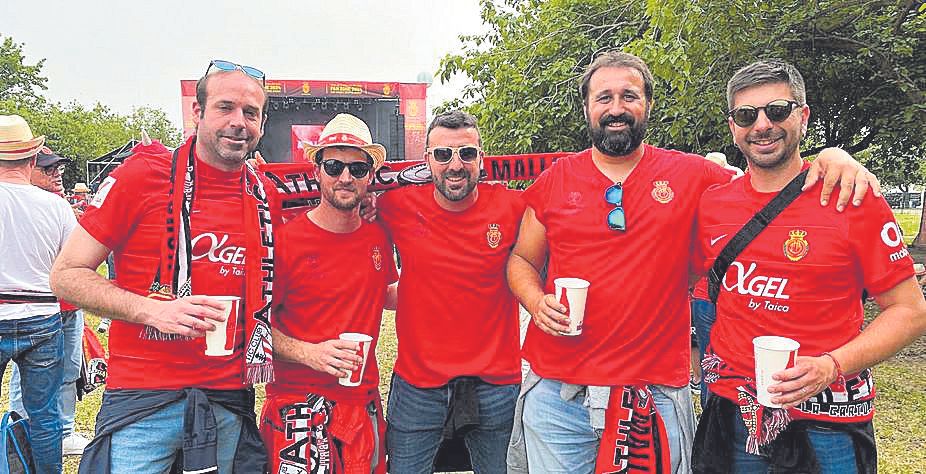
<point x="920" y="240"/>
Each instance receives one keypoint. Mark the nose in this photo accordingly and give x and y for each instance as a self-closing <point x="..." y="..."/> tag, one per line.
<point x="762" y="122"/>
<point x="236" y="118"/>
<point x="456" y="161"/>
<point x="345" y="176"/>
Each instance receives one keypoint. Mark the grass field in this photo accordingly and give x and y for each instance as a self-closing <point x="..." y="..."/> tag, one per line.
<point x="909" y="221"/>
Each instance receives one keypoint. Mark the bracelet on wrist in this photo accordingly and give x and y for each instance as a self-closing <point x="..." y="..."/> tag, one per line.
<point x="839" y="375"/>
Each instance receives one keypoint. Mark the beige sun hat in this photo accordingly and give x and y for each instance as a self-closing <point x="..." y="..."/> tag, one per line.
<point x="347" y="130"/>
<point x="16" y="139"/>
<point x="81" y="188"/>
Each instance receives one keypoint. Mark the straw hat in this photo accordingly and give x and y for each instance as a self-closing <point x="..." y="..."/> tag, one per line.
<point x="16" y="139"/>
<point x="347" y="130"/>
<point x="81" y="188"/>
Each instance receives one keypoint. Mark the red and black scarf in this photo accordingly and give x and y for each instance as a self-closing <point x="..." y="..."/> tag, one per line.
<point x="173" y="277"/>
<point x="634" y="438"/>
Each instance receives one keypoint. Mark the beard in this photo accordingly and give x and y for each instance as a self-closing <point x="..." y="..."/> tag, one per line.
<point x="787" y="150"/>
<point x="232" y="152"/>
<point x="342" y="204"/>
<point x="617" y="143"/>
<point x="458" y="194"/>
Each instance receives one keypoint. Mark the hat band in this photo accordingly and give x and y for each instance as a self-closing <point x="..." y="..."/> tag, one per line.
<point x="19" y="150"/>
<point x="342" y="138"/>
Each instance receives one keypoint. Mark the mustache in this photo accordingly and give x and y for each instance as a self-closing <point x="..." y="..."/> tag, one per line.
<point x="345" y="188"/>
<point x="624" y="118"/>
<point x="766" y="135"/>
<point x="461" y="173"/>
<point x="236" y="133"/>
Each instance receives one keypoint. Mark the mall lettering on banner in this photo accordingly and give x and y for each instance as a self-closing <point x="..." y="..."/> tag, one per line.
<point x="298" y="188"/>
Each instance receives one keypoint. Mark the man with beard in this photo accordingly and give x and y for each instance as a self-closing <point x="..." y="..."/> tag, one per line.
<point x="820" y="260"/>
<point x="181" y="226"/>
<point x="456" y="320"/>
<point x="334" y="270"/>
<point x="620" y="216"/>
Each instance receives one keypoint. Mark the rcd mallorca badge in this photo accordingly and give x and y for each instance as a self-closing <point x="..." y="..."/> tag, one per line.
<point x="377" y="259"/>
<point x="493" y="236"/>
<point x="796" y="247"/>
<point x="662" y="193"/>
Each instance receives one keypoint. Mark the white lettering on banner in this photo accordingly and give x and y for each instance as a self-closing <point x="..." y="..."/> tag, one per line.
<point x="217" y="251"/>
<point x="769" y="287"/>
<point x="890" y="235"/>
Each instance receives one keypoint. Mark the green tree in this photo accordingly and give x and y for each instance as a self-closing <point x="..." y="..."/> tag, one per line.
<point x="18" y="79"/>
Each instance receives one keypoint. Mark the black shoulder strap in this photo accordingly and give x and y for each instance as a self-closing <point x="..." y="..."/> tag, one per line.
<point x="753" y="228"/>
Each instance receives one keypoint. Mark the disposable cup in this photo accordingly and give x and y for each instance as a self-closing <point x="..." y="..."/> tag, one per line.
<point x="363" y="350"/>
<point x="220" y="342"/>
<point x="571" y="293"/>
<point x="773" y="354"/>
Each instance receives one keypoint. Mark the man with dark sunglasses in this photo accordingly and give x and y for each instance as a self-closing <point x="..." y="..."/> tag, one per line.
<point x="456" y="320"/>
<point x="620" y="216"/>
<point x="818" y="262"/>
<point x="334" y="269"/>
<point x="181" y="226"/>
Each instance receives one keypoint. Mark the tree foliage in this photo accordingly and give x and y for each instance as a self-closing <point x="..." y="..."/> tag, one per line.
<point x="72" y="130"/>
<point x="864" y="62"/>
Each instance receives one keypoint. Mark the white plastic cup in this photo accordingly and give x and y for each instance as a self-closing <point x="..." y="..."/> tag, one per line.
<point x="363" y="349"/>
<point x="773" y="354"/>
<point x="220" y="342"/>
<point x="571" y="293"/>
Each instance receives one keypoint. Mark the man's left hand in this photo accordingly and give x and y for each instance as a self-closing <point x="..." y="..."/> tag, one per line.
<point x="808" y="377"/>
<point x="838" y="167"/>
<point x="368" y="207"/>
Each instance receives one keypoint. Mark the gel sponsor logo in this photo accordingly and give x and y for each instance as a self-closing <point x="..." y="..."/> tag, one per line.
<point x="760" y="285"/>
<point x="208" y="245"/>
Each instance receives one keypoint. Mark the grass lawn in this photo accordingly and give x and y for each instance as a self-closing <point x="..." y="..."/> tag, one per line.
<point x="909" y="221"/>
<point x="900" y="419"/>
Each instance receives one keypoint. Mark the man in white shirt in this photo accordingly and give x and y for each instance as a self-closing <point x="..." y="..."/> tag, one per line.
<point x="33" y="226"/>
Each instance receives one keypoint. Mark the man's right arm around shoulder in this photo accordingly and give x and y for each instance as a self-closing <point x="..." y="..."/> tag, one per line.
<point x="74" y="278"/>
<point x="524" y="264"/>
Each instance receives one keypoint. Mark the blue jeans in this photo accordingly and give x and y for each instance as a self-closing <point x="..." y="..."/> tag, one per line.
<point x="834" y="450"/>
<point x="560" y="438"/>
<point x="72" y="326"/>
<point x="35" y="344"/>
<point x="703" y="315"/>
<point x="416" y="424"/>
<point x="151" y="444"/>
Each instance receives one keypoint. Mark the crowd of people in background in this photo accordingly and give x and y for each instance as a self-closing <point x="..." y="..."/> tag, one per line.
<point x="302" y="303"/>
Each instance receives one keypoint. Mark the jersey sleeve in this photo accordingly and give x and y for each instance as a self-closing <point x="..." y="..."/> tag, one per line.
<point x="281" y="271"/>
<point x="716" y="174"/>
<point x="118" y="204"/>
<point x="877" y="243"/>
<point x="537" y="195"/>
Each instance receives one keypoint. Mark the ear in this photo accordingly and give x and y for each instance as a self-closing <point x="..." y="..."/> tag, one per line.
<point x="197" y="111"/>
<point x="732" y="126"/>
<point x="805" y="119"/>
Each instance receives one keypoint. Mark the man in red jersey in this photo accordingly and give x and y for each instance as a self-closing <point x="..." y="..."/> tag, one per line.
<point x="193" y="224"/>
<point x="620" y="216"/>
<point x="334" y="270"/>
<point x="456" y="320"/>
<point x="802" y="277"/>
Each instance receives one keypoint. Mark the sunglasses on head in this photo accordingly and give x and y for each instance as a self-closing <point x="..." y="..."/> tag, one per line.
<point x="357" y="169"/>
<point x="614" y="195"/>
<point x="776" y="111"/>
<point x="443" y="154"/>
<point x="223" y="65"/>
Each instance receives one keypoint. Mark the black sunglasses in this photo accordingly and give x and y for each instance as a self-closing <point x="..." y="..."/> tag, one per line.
<point x="357" y="169"/>
<point x="614" y="195"/>
<point x="230" y="66"/>
<point x="53" y="170"/>
<point x="776" y="111"/>
<point x="443" y="154"/>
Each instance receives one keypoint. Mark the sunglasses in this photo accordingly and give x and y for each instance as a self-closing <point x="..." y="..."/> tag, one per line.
<point x="614" y="195"/>
<point x="357" y="169"/>
<point x="776" y="111"/>
<point x="230" y="66"/>
<point x="53" y="170"/>
<point x="443" y="154"/>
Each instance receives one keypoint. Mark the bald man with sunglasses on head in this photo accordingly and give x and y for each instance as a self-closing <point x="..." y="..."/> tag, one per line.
<point x="182" y="226"/>
<point x="456" y="320"/>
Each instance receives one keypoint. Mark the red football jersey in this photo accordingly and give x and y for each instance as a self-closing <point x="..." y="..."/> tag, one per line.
<point x="327" y="284"/>
<point x="801" y="278"/>
<point x="128" y="216"/>
<point x="456" y="315"/>
<point x="637" y="318"/>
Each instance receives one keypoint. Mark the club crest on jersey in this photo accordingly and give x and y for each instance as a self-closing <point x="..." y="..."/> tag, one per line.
<point x="662" y="193"/>
<point x="796" y="247"/>
<point x="377" y="258"/>
<point x="494" y="236"/>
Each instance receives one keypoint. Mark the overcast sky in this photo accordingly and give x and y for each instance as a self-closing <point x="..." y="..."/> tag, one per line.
<point x="128" y="53"/>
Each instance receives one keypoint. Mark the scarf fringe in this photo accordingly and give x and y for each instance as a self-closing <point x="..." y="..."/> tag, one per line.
<point x="710" y="366"/>
<point x="771" y="423"/>
<point x="259" y="373"/>
<point x="152" y="333"/>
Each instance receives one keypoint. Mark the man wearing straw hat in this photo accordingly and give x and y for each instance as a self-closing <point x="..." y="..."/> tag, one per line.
<point x="33" y="227"/>
<point x="323" y="412"/>
<point x="800" y="278"/>
<point x="182" y="227"/>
